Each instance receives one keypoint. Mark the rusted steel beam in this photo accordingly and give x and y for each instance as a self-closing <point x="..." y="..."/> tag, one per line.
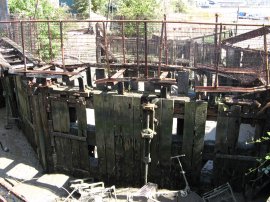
<point x="248" y="35"/>
<point x="153" y="80"/>
<point x="228" y="70"/>
<point x="46" y="72"/>
<point x="147" y="21"/>
<point x="163" y="75"/>
<point x="114" y="78"/>
<point x="141" y="66"/>
<point x="119" y="73"/>
<point x="226" y="89"/>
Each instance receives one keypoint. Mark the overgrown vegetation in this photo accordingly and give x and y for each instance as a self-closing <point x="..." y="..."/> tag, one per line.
<point x="42" y="9"/>
<point x="263" y="166"/>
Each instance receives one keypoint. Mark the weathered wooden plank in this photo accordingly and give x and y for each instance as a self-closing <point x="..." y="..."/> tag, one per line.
<point x="84" y="156"/>
<point x="188" y="134"/>
<point x="198" y="139"/>
<point x="81" y="117"/>
<point x="64" y="153"/>
<point x="75" y="154"/>
<point x="233" y="128"/>
<point x="119" y="139"/>
<point x="109" y="116"/>
<point x="38" y="129"/>
<point x="60" y="116"/>
<point x="100" y="133"/>
<point x="43" y="105"/>
<point x="221" y="130"/>
<point x="165" y="141"/>
<point x="166" y="131"/>
<point x="126" y="125"/>
<point x="137" y="141"/>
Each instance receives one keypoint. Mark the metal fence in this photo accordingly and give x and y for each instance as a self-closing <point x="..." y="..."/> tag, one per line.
<point x="236" y="51"/>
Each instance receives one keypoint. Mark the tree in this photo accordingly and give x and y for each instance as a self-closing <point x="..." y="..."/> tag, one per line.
<point x="139" y="9"/>
<point x="180" y="6"/>
<point x="82" y="6"/>
<point x="40" y="9"/>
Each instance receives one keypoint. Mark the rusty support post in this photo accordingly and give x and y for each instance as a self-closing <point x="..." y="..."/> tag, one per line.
<point x="266" y="56"/>
<point x="216" y="51"/>
<point x="62" y="45"/>
<point x="145" y="50"/>
<point x="123" y="41"/>
<point x="137" y="41"/>
<point x="160" y="49"/>
<point x="31" y="37"/>
<point x="106" y="48"/>
<point x="165" y="40"/>
<point x="50" y="40"/>
<point x="23" y="46"/>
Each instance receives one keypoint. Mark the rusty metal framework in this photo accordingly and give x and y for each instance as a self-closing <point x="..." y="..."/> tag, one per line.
<point x="224" y="57"/>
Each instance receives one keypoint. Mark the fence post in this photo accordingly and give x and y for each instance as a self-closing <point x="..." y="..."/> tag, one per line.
<point x="145" y="50"/>
<point x="23" y="46"/>
<point x="50" y="40"/>
<point x="62" y="45"/>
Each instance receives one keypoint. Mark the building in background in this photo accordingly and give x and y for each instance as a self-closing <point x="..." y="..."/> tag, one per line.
<point x="68" y="3"/>
<point x="55" y="3"/>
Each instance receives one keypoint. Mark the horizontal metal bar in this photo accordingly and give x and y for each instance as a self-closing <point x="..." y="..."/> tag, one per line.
<point x="221" y="69"/>
<point x="226" y="89"/>
<point x="142" y="21"/>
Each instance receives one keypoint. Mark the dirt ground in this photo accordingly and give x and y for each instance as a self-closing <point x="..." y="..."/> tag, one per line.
<point x="20" y="168"/>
